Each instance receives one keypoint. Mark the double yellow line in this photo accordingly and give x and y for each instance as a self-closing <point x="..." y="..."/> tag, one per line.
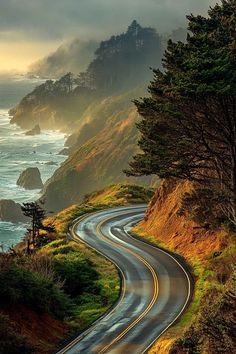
<point x="155" y="287"/>
<point x="124" y="287"/>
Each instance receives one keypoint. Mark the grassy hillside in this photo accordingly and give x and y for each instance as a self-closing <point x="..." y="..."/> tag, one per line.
<point x="100" y="160"/>
<point x="62" y="287"/>
<point x="209" y="324"/>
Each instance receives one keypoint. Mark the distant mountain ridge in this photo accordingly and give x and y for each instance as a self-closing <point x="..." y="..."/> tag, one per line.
<point x="72" y="56"/>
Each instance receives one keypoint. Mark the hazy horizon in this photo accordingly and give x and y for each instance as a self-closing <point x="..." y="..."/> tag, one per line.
<point x="30" y="30"/>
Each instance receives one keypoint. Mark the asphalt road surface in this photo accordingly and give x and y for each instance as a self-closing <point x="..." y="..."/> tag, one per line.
<point x="155" y="286"/>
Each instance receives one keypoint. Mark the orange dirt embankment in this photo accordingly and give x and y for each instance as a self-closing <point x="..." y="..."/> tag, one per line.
<point x="178" y="233"/>
<point x="164" y="226"/>
<point x="42" y="331"/>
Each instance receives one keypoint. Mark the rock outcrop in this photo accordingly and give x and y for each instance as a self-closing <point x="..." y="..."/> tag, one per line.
<point x="35" y="131"/>
<point x="65" y="152"/>
<point x="50" y="163"/>
<point x="11" y="211"/>
<point x="30" y="179"/>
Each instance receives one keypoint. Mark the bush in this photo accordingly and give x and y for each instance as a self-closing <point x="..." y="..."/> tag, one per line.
<point x="23" y="286"/>
<point x="10" y="341"/>
<point x="78" y="274"/>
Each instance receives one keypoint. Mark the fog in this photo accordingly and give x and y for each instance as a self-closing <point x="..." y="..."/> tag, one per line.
<point x="45" y="24"/>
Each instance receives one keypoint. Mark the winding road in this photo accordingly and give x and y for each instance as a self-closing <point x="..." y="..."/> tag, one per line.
<point x="155" y="286"/>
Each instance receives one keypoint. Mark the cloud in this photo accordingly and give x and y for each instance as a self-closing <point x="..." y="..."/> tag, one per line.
<point x="30" y="29"/>
<point x="60" y="19"/>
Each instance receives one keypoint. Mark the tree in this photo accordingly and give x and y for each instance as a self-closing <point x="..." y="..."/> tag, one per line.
<point x="123" y="61"/>
<point x="37" y="214"/>
<point x="188" y="129"/>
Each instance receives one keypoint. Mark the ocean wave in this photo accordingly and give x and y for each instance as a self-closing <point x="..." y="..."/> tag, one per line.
<point x="10" y="226"/>
<point x="4" y="112"/>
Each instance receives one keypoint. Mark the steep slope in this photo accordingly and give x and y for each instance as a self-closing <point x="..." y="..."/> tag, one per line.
<point x="209" y="324"/>
<point x="179" y="233"/>
<point x="99" y="161"/>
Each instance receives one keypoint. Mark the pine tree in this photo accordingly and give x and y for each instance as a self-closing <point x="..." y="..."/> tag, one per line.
<point x="188" y="126"/>
<point x="37" y="214"/>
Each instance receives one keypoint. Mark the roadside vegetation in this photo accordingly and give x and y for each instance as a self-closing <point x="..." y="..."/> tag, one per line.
<point x="56" y="287"/>
<point x="208" y="325"/>
<point x="188" y="135"/>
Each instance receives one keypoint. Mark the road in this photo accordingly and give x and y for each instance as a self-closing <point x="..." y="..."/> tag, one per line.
<point x="155" y="286"/>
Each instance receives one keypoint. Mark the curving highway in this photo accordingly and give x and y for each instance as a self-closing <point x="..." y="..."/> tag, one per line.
<point x="155" y="287"/>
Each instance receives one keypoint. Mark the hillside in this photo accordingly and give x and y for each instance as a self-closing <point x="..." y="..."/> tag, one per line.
<point x="62" y="287"/>
<point x="98" y="160"/>
<point x="211" y="252"/>
<point x="53" y="105"/>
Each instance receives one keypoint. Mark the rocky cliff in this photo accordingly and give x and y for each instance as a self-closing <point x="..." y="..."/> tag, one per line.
<point x="208" y="326"/>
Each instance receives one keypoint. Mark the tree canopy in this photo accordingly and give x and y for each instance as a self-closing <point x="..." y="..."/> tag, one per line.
<point x="188" y="126"/>
<point x="123" y="61"/>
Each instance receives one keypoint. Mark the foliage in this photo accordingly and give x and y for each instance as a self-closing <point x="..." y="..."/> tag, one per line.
<point x="122" y="61"/>
<point x="204" y="206"/>
<point x="91" y="281"/>
<point x="113" y="195"/>
<point x="22" y="286"/>
<point x="120" y="194"/>
<point x="37" y="214"/>
<point x="189" y="127"/>
<point x="213" y="330"/>
<point x="10" y="341"/>
<point x="79" y="276"/>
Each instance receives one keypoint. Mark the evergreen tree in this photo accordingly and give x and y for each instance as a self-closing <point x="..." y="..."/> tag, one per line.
<point x="188" y="129"/>
<point x="123" y="61"/>
<point x="37" y="214"/>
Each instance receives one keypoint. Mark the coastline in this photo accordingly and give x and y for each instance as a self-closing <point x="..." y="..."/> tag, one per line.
<point x="17" y="153"/>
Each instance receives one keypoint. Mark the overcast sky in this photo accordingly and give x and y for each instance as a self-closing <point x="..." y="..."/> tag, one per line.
<point x="30" y="29"/>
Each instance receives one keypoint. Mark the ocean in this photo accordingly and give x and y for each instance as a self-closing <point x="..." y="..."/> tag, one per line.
<point x="18" y="151"/>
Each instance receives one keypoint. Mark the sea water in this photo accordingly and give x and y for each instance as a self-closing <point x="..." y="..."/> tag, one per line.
<point x="18" y="151"/>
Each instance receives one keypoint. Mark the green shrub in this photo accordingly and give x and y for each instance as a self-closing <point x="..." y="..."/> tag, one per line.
<point x="78" y="274"/>
<point x="22" y="286"/>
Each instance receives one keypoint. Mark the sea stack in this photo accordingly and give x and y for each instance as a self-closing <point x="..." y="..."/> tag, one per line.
<point x="11" y="211"/>
<point x="30" y="179"/>
<point x="35" y="131"/>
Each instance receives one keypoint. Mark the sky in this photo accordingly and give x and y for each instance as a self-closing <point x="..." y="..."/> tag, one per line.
<point x="31" y="29"/>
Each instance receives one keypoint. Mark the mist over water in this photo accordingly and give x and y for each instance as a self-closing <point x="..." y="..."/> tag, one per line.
<point x="13" y="88"/>
<point x="18" y="151"/>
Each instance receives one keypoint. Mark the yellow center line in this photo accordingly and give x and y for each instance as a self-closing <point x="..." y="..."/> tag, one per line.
<point x="155" y="282"/>
<point x="123" y="290"/>
<point x="124" y="287"/>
